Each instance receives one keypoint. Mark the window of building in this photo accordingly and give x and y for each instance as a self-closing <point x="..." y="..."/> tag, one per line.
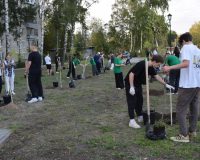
<point x="35" y="32"/>
<point x="30" y="2"/>
<point x="29" y="31"/>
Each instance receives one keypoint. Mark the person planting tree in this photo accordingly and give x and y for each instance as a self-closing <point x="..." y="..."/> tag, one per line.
<point x="134" y="80"/>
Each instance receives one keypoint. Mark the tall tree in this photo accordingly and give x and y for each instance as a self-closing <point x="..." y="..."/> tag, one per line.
<point x="140" y="20"/>
<point x="64" y="15"/>
<point x="98" y="36"/>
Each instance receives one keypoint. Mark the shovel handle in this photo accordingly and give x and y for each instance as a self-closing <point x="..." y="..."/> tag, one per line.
<point x="170" y="99"/>
<point x="147" y="89"/>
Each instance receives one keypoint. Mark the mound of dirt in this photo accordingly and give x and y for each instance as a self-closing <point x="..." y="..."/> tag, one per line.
<point x="10" y="106"/>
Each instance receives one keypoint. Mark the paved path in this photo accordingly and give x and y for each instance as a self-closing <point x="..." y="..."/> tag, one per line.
<point x="4" y="134"/>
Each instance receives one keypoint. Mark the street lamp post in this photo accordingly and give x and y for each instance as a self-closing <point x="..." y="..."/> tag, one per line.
<point x="28" y="38"/>
<point x="170" y="38"/>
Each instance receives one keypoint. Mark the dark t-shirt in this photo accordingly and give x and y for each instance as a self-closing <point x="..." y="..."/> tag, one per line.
<point x="36" y="62"/>
<point x="139" y="73"/>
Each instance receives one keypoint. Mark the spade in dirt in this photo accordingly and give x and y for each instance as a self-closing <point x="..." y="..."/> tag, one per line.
<point x="28" y="94"/>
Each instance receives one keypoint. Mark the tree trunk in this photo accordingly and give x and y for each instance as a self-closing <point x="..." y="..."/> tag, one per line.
<point x="141" y="40"/>
<point x="42" y="5"/>
<point x="6" y="25"/>
<point x="65" y="45"/>
<point x="131" y="47"/>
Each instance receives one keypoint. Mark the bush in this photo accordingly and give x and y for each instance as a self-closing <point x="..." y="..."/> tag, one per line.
<point x="20" y="64"/>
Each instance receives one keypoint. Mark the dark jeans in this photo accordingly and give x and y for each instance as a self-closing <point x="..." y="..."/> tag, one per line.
<point x="119" y="80"/>
<point x="35" y="85"/>
<point x="71" y="70"/>
<point x="174" y="76"/>
<point x="98" y="65"/>
<point x="135" y="102"/>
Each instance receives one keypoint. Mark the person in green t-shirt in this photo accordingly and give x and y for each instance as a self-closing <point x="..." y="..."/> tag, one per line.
<point x="72" y="67"/>
<point x="94" y="68"/>
<point x="174" y="75"/>
<point x="118" y="71"/>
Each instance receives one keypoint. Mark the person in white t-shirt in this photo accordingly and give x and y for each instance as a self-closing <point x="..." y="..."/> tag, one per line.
<point x="48" y="64"/>
<point x="155" y="51"/>
<point x="189" y="88"/>
<point x="9" y="73"/>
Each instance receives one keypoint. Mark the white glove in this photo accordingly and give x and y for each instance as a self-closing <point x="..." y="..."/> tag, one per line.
<point x="132" y="91"/>
<point x="169" y="86"/>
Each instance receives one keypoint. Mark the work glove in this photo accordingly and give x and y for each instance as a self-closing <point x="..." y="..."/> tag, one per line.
<point x="169" y="86"/>
<point x="132" y="91"/>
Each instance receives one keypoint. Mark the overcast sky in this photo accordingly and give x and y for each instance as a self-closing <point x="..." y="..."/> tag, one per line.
<point x="184" y="13"/>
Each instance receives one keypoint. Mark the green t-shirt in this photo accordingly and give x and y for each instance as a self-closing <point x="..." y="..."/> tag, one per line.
<point x="172" y="60"/>
<point x="92" y="62"/>
<point x="76" y="61"/>
<point x="117" y="69"/>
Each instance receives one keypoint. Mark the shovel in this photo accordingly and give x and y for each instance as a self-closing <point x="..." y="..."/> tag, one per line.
<point x="148" y="127"/>
<point x="28" y="94"/>
<point x="170" y="99"/>
<point x="60" y="73"/>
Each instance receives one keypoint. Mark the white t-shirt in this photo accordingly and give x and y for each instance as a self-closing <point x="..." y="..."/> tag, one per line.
<point x="190" y="76"/>
<point x="155" y="52"/>
<point x="47" y="59"/>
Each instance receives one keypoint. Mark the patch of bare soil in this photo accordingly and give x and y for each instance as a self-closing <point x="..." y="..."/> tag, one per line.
<point x="9" y="106"/>
<point x="154" y="92"/>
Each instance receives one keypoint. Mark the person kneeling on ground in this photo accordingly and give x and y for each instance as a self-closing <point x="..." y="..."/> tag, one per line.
<point x="133" y="85"/>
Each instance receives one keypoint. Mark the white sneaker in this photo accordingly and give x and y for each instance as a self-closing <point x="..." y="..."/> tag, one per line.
<point x="13" y="93"/>
<point x="33" y="100"/>
<point x="40" y="99"/>
<point x="133" y="124"/>
<point x="180" y="138"/>
<point x="140" y="119"/>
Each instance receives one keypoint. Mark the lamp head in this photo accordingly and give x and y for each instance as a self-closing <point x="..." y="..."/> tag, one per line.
<point x="169" y="17"/>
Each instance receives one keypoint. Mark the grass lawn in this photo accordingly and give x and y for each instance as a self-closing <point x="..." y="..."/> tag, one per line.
<point x="89" y="122"/>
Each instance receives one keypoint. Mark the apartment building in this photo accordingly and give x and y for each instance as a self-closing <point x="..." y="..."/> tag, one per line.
<point x="29" y="32"/>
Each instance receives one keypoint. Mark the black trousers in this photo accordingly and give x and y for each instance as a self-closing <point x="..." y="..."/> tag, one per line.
<point x="119" y="80"/>
<point x="94" y="70"/>
<point x="174" y="76"/>
<point x="71" y="70"/>
<point x="135" y="102"/>
<point x="98" y="65"/>
<point x="35" y="85"/>
<point x="56" y="66"/>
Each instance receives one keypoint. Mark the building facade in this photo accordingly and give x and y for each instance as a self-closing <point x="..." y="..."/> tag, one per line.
<point x="29" y="32"/>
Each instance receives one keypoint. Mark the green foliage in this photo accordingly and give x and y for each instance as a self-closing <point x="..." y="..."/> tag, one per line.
<point x="195" y="31"/>
<point x="139" y="23"/>
<point x="159" y="124"/>
<point x="98" y="36"/>
<point x="171" y="37"/>
<point x="64" y="15"/>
